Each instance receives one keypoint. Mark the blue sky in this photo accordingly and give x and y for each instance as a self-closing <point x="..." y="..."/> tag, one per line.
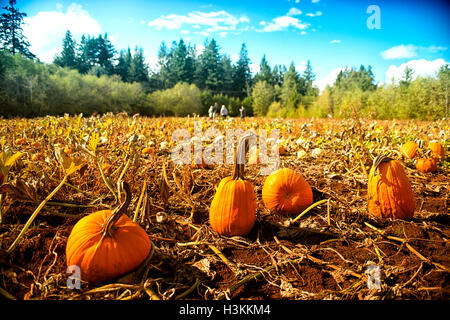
<point x="331" y="34"/>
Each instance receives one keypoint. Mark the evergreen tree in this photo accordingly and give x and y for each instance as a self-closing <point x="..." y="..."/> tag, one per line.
<point x="209" y="70"/>
<point x="86" y="54"/>
<point x="67" y="57"/>
<point x="11" y="32"/>
<point x="278" y="73"/>
<point x="123" y="64"/>
<point x="138" y="69"/>
<point x="163" y="72"/>
<point x="309" y="78"/>
<point x="265" y="72"/>
<point x="181" y="64"/>
<point x="227" y="78"/>
<point x="242" y="74"/>
<point x="105" y="53"/>
<point x="290" y="89"/>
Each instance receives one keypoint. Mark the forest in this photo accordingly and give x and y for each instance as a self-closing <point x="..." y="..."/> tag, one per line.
<point x="94" y="77"/>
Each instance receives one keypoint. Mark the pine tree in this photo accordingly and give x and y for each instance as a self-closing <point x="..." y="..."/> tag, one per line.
<point x="163" y="72"/>
<point x="181" y="64"/>
<point x="105" y="53"/>
<point x="11" y="32"/>
<point x="265" y="72"/>
<point x="290" y="88"/>
<point x="309" y="78"/>
<point x="227" y="78"/>
<point x="123" y="64"/>
<point x="242" y="74"/>
<point x="67" y="57"/>
<point x="138" y="69"/>
<point x="209" y="70"/>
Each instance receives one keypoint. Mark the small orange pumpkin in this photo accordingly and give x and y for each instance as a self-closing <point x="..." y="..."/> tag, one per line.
<point x="20" y="141"/>
<point x="107" y="244"/>
<point x="287" y="192"/>
<point x="390" y="194"/>
<point x="281" y="149"/>
<point x="148" y="150"/>
<point x="426" y="165"/>
<point x="437" y="150"/>
<point x="409" y="149"/>
<point x="233" y="208"/>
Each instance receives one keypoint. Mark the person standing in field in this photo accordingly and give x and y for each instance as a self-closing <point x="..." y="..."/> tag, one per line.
<point x="224" y="111"/>
<point x="216" y="110"/>
<point x="242" y="112"/>
<point x="211" y="112"/>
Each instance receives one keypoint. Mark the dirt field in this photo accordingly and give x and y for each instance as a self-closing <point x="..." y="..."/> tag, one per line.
<point x="328" y="253"/>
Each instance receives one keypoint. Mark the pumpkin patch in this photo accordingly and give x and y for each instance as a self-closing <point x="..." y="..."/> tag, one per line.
<point x="101" y="202"/>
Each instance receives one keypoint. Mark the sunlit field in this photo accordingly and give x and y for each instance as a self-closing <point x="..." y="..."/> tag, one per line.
<point x="56" y="171"/>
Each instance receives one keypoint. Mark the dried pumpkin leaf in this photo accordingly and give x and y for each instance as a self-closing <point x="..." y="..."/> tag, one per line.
<point x="69" y="164"/>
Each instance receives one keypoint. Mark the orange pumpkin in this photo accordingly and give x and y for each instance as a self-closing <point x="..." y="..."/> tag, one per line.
<point x="437" y="150"/>
<point x="20" y="141"/>
<point x="107" y="244"/>
<point x="281" y="149"/>
<point x="390" y="194"/>
<point x="233" y="208"/>
<point x="287" y="192"/>
<point x="409" y="149"/>
<point x="148" y="150"/>
<point x="426" y="165"/>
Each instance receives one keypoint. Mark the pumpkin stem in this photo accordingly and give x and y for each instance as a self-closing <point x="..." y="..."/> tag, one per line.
<point x="108" y="226"/>
<point x="239" y="157"/>
<point x="378" y="160"/>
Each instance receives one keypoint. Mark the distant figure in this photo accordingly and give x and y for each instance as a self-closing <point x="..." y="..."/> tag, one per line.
<point x="242" y="112"/>
<point x="216" y="110"/>
<point x="211" y="112"/>
<point x="224" y="111"/>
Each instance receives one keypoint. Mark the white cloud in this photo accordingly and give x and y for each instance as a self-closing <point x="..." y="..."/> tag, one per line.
<point x="315" y="1"/>
<point x="401" y="51"/>
<point x="317" y="14"/>
<point x="328" y="79"/>
<point x="335" y="41"/>
<point x="421" y="68"/>
<point x="284" y="22"/>
<point x="294" y="12"/>
<point x="214" y="21"/>
<point x="409" y="51"/>
<point x="45" y="31"/>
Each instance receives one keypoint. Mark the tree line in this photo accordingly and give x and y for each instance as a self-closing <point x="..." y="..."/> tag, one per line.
<point x="92" y="76"/>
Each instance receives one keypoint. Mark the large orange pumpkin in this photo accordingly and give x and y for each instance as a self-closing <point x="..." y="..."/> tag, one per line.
<point x="409" y="149"/>
<point x="426" y="165"/>
<point x="233" y="208"/>
<point x="437" y="150"/>
<point x="287" y="192"/>
<point x="107" y="244"/>
<point x="389" y="191"/>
